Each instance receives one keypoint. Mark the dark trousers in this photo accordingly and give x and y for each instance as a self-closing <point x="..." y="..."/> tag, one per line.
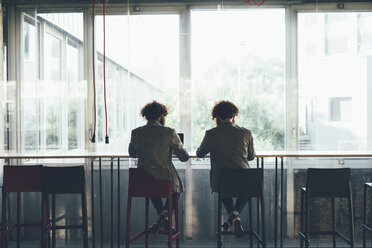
<point x="230" y="206"/>
<point x="159" y="204"/>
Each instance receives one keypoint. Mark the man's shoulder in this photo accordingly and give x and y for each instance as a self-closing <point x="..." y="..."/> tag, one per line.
<point x="242" y="129"/>
<point x="138" y="129"/>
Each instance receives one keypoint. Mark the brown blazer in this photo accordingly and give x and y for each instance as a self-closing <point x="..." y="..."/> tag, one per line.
<point x="230" y="146"/>
<point x="152" y="144"/>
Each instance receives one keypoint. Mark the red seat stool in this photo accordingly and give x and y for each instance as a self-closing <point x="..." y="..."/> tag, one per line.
<point x="142" y="184"/>
<point x="18" y="179"/>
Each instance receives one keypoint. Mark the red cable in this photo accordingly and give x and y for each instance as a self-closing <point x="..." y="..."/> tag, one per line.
<point x="246" y="2"/>
<point x="104" y="62"/>
<point x="258" y="4"/>
<point x="94" y="81"/>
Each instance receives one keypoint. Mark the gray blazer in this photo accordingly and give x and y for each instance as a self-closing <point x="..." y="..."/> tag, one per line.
<point x="152" y="144"/>
<point x="230" y="146"/>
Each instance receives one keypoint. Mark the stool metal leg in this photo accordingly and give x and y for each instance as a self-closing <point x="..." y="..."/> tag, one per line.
<point x="219" y="215"/>
<point x="250" y="223"/>
<point x="263" y="221"/>
<point x="307" y="218"/>
<point x="43" y="224"/>
<point x="364" y="214"/>
<point x="147" y="222"/>
<point x="177" y="222"/>
<point x="85" y="219"/>
<point x="18" y="220"/>
<point x="170" y="213"/>
<point x="46" y="217"/>
<point x="351" y="218"/>
<point x="129" y="212"/>
<point x="333" y="222"/>
<point x="302" y="218"/>
<point x="3" y="218"/>
<point x="53" y="220"/>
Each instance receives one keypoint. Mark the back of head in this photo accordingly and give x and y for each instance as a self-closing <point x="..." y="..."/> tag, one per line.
<point x="153" y="110"/>
<point x="224" y="110"/>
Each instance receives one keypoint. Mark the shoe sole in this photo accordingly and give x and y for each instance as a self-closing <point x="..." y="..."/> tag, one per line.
<point x="238" y="229"/>
<point x="225" y="227"/>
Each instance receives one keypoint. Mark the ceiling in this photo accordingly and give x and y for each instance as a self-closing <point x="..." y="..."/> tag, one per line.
<point x="84" y="2"/>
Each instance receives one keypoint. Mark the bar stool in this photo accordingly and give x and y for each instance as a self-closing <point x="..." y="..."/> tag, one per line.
<point x="64" y="180"/>
<point x="243" y="183"/>
<point x="366" y="227"/>
<point x="18" y="179"/>
<point x="326" y="183"/>
<point x="142" y="184"/>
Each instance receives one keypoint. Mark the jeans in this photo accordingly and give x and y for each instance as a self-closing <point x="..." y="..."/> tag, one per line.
<point x="160" y="206"/>
<point x="230" y="207"/>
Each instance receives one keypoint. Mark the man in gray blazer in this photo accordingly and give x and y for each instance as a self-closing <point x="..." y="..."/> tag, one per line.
<point x="230" y="146"/>
<point x="153" y="144"/>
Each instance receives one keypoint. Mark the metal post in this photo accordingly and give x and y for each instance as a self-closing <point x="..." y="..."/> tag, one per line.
<point x="112" y="201"/>
<point x="118" y="202"/>
<point x="281" y="200"/>
<point x="276" y="203"/>
<point x="92" y="201"/>
<point x="100" y="200"/>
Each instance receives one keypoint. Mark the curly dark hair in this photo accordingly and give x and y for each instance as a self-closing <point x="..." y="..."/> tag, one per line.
<point x="153" y="110"/>
<point x="224" y="110"/>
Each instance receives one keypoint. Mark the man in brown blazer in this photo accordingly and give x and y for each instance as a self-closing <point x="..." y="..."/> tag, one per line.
<point x="153" y="144"/>
<point x="230" y="146"/>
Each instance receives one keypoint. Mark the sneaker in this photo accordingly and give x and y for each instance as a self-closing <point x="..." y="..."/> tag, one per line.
<point x="238" y="229"/>
<point x="165" y="224"/>
<point x="226" y="226"/>
<point x="155" y="228"/>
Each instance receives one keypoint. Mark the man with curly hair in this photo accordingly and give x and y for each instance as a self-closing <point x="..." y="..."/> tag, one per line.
<point x="230" y="146"/>
<point x="153" y="144"/>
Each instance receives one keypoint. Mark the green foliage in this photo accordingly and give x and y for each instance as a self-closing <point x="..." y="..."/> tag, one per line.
<point x="257" y="88"/>
<point x="72" y="125"/>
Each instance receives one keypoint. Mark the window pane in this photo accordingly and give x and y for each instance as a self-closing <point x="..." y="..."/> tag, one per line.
<point x="334" y="81"/>
<point x="235" y="59"/>
<point x="53" y="124"/>
<point x="53" y="57"/>
<point x="52" y="90"/>
<point x="142" y="63"/>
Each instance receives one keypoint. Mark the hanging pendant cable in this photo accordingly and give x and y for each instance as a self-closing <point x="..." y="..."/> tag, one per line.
<point x="94" y="84"/>
<point x="104" y="65"/>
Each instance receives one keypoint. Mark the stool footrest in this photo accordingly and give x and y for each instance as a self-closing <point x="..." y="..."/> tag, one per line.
<point x="67" y="227"/>
<point x="135" y="237"/>
<point x="60" y="218"/>
<point x="366" y="227"/>
<point x="343" y="237"/>
<point x="245" y="232"/>
<point x="176" y="236"/>
<point x="322" y="233"/>
<point x="257" y="236"/>
<point x="340" y="235"/>
<point x="10" y="229"/>
<point x="30" y="224"/>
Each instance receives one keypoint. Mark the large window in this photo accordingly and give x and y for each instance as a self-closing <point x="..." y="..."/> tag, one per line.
<point x="239" y="55"/>
<point x="142" y="64"/>
<point x="335" y="55"/>
<point x="235" y="53"/>
<point x="52" y="86"/>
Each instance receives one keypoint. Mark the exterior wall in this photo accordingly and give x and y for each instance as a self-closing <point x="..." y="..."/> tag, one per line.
<point x="324" y="133"/>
